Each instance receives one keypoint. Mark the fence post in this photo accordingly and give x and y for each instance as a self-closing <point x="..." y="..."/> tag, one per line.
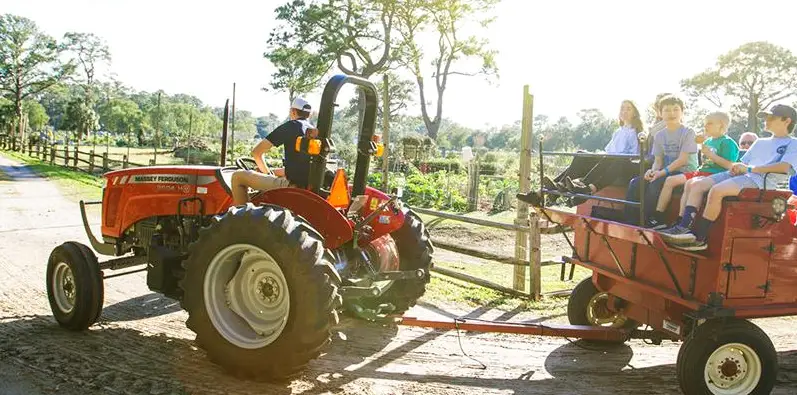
<point x="105" y="162"/>
<point x="124" y="161"/>
<point x="522" y="248"/>
<point x="74" y="160"/>
<point x="39" y="149"/>
<point x="535" y="257"/>
<point x="52" y="155"/>
<point x="66" y="156"/>
<point x="91" y="162"/>
<point x="152" y="162"/>
<point x="30" y="148"/>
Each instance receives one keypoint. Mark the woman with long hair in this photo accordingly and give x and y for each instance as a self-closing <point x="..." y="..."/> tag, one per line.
<point x="588" y="174"/>
<point x="608" y="171"/>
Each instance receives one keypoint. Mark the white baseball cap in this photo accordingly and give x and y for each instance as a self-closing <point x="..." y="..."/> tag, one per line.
<point x="300" y="104"/>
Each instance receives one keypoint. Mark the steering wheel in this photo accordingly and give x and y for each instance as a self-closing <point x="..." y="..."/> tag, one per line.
<point x="246" y="164"/>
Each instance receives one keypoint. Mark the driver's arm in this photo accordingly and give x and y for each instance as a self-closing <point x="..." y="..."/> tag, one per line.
<point x="257" y="153"/>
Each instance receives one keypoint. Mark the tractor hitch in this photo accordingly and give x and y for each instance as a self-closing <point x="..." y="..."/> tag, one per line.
<point x="400" y="275"/>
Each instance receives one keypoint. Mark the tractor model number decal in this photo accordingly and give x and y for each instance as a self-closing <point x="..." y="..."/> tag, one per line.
<point x="374" y="203"/>
<point x="672" y="327"/>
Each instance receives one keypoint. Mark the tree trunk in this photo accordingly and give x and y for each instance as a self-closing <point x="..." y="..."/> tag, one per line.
<point x="752" y="114"/>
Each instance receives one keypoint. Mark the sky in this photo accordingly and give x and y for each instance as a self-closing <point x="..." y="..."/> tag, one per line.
<point x="573" y="54"/>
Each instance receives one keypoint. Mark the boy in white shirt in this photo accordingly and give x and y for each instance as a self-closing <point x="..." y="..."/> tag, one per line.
<point x="776" y="155"/>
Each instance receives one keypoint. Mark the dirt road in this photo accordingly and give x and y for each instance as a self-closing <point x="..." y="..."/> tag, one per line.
<point x="141" y="345"/>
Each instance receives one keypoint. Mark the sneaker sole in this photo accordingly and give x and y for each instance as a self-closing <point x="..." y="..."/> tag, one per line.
<point x="678" y="239"/>
<point x="694" y="247"/>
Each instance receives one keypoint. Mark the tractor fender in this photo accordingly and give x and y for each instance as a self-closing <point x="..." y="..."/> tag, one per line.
<point x="329" y="222"/>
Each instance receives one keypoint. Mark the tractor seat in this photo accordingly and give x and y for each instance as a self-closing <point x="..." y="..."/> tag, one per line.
<point x="224" y="175"/>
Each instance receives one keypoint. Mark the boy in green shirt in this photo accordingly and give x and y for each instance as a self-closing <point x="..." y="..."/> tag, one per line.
<point x="719" y="153"/>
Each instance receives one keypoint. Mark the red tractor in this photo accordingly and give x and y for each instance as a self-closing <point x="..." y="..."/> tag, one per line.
<point x="263" y="283"/>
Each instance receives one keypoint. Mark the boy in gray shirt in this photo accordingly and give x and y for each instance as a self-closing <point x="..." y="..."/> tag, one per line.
<point x="674" y="150"/>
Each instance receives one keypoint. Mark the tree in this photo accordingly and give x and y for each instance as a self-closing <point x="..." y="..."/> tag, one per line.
<point x="89" y="51"/>
<point x="594" y="131"/>
<point x="751" y="77"/>
<point x="29" y="62"/>
<point x="80" y="118"/>
<point x="37" y="115"/>
<point x="121" y="115"/>
<point x="354" y="35"/>
<point x="297" y="71"/>
<point x="447" y="18"/>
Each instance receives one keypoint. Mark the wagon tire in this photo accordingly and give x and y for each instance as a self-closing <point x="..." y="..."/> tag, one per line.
<point x="586" y="306"/>
<point x="731" y="356"/>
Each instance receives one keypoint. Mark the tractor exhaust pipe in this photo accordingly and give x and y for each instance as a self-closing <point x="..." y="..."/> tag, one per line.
<point x="223" y="161"/>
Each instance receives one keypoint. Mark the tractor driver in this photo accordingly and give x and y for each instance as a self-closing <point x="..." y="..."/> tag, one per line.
<point x="297" y="164"/>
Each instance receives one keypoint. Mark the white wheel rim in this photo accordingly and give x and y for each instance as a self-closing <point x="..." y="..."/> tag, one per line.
<point x="246" y="296"/>
<point x="732" y="369"/>
<point x="598" y="313"/>
<point x="64" y="289"/>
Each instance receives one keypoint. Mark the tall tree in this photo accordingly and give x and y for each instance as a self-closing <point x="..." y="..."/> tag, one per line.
<point x="447" y="19"/>
<point x="121" y="115"/>
<point x="354" y="35"/>
<point x="90" y="52"/>
<point x="29" y="62"/>
<point x="751" y="77"/>
<point x="80" y="118"/>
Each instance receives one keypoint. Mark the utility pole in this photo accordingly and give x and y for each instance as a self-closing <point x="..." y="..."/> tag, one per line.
<point x="232" y="125"/>
<point x="157" y="130"/>
<point x="386" y="134"/>
<point x="190" y="123"/>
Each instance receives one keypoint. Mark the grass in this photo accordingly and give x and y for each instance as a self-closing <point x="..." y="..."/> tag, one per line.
<point x="4" y="177"/>
<point x="72" y="184"/>
<point x="443" y="290"/>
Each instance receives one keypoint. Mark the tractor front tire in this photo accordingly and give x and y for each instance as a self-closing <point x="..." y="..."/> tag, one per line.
<point x="731" y="356"/>
<point x="261" y="292"/>
<point x="415" y="252"/>
<point x="75" y="287"/>
<point x="587" y="306"/>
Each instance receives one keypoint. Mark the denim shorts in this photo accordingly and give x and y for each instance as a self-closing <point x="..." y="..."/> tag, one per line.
<point x="743" y="181"/>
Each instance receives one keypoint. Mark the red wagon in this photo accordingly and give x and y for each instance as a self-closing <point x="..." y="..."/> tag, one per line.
<point x="643" y="288"/>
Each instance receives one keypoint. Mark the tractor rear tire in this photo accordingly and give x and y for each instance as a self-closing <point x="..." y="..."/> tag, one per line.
<point x="731" y="356"/>
<point x="583" y="307"/>
<point x="75" y="286"/>
<point x="415" y="252"/>
<point x="286" y="304"/>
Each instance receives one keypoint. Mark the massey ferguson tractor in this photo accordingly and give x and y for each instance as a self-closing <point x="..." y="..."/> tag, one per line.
<point x="263" y="283"/>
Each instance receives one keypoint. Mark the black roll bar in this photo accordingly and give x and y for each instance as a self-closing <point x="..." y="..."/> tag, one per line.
<point x="364" y="143"/>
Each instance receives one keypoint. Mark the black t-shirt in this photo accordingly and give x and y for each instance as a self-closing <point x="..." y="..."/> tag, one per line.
<point x="297" y="164"/>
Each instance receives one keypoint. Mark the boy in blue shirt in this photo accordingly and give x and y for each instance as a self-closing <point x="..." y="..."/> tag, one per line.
<point x="675" y="152"/>
<point x="776" y="155"/>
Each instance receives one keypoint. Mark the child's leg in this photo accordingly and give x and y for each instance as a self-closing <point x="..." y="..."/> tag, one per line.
<point x="685" y="196"/>
<point x="716" y="194"/>
<point x="697" y="190"/>
<point x="666" y="191"/>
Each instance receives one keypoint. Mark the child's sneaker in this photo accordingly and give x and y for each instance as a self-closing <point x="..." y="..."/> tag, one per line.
<point x="654" y="224"/>
<point x="697" y="245"/>
<point x="678" y="235"/>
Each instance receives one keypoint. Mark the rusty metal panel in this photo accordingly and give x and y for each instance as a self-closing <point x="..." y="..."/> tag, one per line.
<point x="748" y="269"/>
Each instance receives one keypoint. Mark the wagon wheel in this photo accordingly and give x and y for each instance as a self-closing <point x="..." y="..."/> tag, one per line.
<point x="589" y="306"/>
<point x="731" y="357"/>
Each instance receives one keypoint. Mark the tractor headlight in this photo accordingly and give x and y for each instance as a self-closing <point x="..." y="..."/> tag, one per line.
<point x="779" y="206"/>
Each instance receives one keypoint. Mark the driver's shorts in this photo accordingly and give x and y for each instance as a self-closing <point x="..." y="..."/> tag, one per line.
<point x="265" y="182"/>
